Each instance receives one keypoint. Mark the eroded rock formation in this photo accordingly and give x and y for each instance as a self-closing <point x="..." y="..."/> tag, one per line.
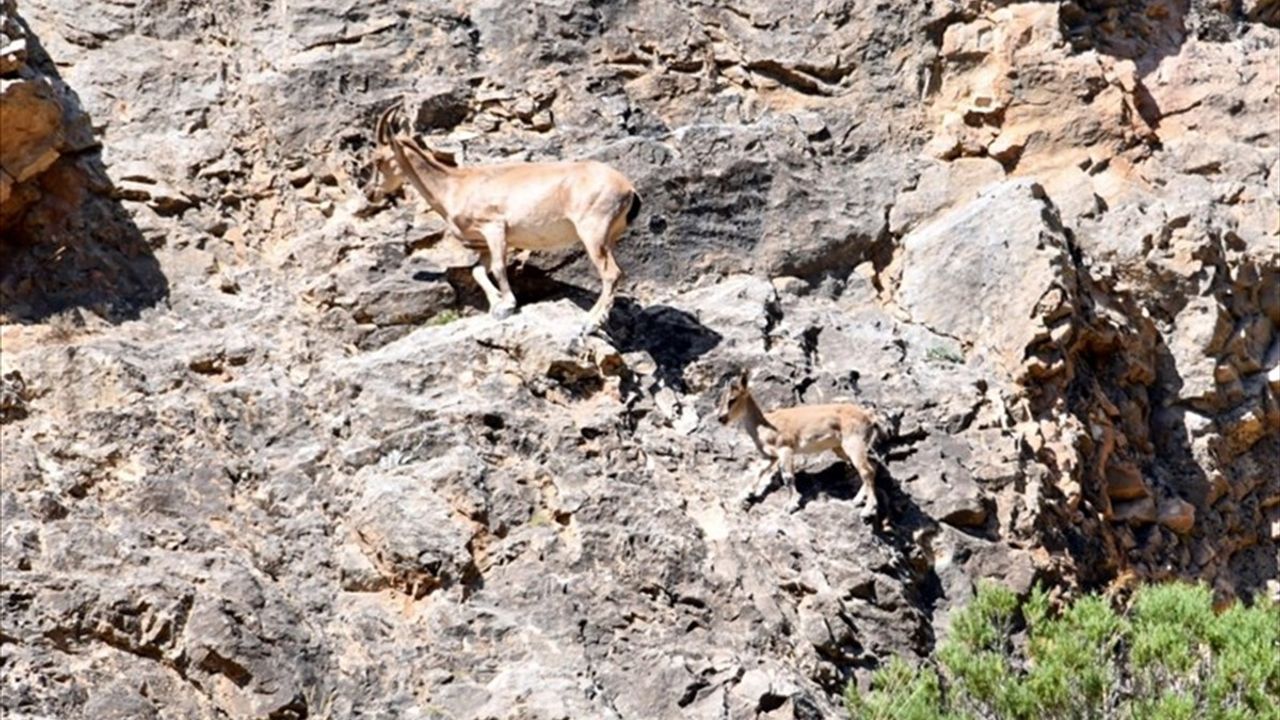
<point x="263" y="457"/>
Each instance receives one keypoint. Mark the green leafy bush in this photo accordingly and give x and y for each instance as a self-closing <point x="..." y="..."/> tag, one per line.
<point x="1169" y="656"/>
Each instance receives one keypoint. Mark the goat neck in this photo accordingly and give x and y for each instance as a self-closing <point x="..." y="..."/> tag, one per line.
<point x="753" y="420"/>
<point x="432" y="178"/>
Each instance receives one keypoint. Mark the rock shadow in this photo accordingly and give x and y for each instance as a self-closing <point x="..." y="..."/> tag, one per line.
<point x="536" y="282"/>
<point x="671" y="336"/>
<point x="1146" y="32"/>
<point x="67" y="241"/>
<point x="1220" y="511"/>
<point x="1174" y="463"/>
<point x="836" y="481"/>
<point x="531" y="284"/>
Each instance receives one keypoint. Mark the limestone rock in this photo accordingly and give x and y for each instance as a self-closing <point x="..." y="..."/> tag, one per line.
<point x="1136" y="512"/>
<point x="265" y="455"/>
<point x="407" y="528"/>
<point x="1004" y="283"/>
<point x="942" y="186"/>
<point x="1177" y="514"/>
<point x="1125" y="482"/>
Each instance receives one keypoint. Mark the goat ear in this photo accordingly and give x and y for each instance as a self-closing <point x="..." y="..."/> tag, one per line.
<point x="445" y="158"/>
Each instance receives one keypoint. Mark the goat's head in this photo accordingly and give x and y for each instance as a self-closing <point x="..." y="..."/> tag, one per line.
<point x="735" y="399"/>
<point x="392" y="142"/>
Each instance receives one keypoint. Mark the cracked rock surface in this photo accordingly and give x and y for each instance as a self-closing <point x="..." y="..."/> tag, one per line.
<point x="264" y="455"/>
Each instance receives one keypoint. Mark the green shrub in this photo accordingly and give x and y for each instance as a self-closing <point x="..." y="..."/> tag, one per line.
<point x="898" y="692"/>
<point x="1169" y="656"/>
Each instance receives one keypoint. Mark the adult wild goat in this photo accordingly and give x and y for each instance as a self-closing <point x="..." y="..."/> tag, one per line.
<point x="527" y="206"/>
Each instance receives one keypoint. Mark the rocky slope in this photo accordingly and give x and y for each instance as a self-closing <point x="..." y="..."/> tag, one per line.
<point x="254" y="467"/>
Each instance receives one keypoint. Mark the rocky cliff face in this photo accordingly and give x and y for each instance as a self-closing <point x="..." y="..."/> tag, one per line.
<point x="254" y="467"/>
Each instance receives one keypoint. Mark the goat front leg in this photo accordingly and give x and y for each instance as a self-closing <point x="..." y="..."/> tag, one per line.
<point x="495" y="238"/>
<point x="762" y="484"/>
<point x="522" y="259"/>
<point x="787" y="458"/>
<point x="481" y="277"/>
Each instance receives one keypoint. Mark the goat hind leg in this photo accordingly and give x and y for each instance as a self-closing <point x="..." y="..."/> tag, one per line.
<point x="599" y="243"/>
<point x="495" y="238"/>
<point x="857" y="449"/>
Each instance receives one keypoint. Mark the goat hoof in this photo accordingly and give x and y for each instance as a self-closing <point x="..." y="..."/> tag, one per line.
<point x="502" y="312"/>
<point x="868" y="512"/>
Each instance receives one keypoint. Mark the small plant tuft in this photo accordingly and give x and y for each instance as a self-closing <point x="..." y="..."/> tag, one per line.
<point x="394" y="458"/>
<point x="541" y="518"/>
<point x="943" y="354"/>
<point x="444" y="317"/>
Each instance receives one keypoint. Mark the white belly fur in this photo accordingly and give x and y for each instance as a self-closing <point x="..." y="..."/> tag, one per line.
<point x="815" y="444"/>
<point x="549" y="236"/>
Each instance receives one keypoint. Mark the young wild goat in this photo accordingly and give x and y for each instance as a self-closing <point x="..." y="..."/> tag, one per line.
<point x="526" y="206"/>
<point x="846" y="429"/>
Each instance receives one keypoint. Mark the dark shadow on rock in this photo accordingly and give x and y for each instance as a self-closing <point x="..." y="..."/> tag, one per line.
<point x="903" y="524"/>
<point x="464" y="286"/>
<point x="1174" y="462"/>
<point x="672" y="337"/>
<point x="431" y="275"/>
<point x="531" y="284"/>
<point x="1171" y="468"/>
<point x="836" y="481"/>
<point x="1144" y="31"/>
<point x="1180" y="475"/>
<point x="537" y="282"/>
<point x="72" y="244"/>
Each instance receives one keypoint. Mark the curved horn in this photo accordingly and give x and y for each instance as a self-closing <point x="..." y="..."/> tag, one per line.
<point x="382" y="134"/>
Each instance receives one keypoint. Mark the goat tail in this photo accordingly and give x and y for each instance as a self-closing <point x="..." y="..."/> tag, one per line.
<point x="873" y="447"/>
<point x="635" y="207"/>
<point x="876" y="438"/>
